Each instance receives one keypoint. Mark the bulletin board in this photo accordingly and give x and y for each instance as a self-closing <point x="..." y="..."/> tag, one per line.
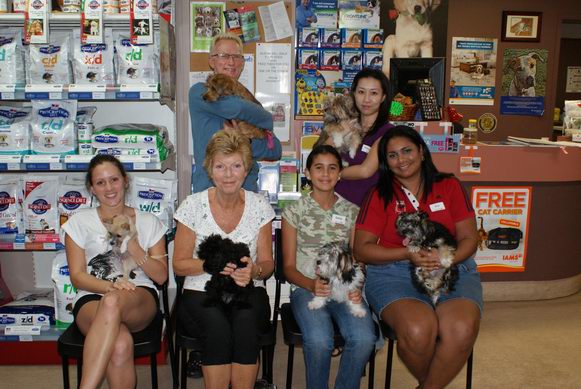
<point x="199" y="61"/>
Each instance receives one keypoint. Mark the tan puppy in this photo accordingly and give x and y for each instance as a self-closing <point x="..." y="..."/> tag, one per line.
<point x="219" y="85"/>
<point x="121" y="229"/>
<point x="341" y="124"/>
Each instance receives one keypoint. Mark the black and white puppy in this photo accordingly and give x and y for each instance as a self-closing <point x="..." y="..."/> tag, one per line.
<point x="336" y="265"/>
<point x="217" y="252"/>
<point x="422" y="233"/>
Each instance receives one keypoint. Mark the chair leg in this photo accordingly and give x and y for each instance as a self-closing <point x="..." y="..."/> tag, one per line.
<point x="267" y="352"/>
<point x="153" y="367"/>
<point x="172" y="360"/>
<point x="289" y="367"/>
<point x="184" y="362"/>
<point x="371" y="378"/>
<point x="389" y="364"/>
<point x="469" y="370"/>
<point x="79" y="372"/>
<point x="65" y="366"/>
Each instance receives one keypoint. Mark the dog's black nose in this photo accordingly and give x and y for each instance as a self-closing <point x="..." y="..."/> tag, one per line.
<point x="418" y="9"/>
<point x="318" y="261"/>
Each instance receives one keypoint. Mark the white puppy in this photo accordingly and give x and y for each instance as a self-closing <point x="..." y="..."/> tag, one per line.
<point x="413" y="31"/>
<point x="337" y="265"/>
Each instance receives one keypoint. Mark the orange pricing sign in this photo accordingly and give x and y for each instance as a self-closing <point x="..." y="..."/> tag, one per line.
<point x="502" y="215"/>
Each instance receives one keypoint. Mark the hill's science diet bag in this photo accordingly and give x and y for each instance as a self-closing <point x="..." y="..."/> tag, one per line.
<point x="53" y="127"/>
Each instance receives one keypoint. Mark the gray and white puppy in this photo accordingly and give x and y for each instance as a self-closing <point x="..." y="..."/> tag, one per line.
<point x="422" y="233"/>
<point x="336" y="265"/>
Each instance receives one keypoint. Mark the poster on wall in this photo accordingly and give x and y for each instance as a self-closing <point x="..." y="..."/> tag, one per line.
<point x="326" y="13"/>
<point x="502" y="215"/>
<point x="524" y="80"/>
<point x="273" y="68"/>
<point x="358" y="14"/>
<point x="279" y="106"/>
<point x="206" y="21"/>
<point x="573" y="84"/>
<point x="472" y="71"/>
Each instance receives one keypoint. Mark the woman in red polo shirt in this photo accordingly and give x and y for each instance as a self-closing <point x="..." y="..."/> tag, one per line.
<point x="434" y="342"/>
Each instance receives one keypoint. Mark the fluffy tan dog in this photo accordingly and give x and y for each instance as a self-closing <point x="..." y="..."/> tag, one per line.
<point x="219" y="85"/>
<point x="341" y="124"/>
<point x="121" y="229"/>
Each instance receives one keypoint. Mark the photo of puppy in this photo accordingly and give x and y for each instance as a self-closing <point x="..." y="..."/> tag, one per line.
<point x="482" y="234"/>
<point x="341" y="124"/>
<point x="336" y="265"/>
<point x="217" y="252"/>
<point x="218" y="86"/>
<point x="120" y="230"/>
<point x="524" y="69"/>
<point x="420" y="233"/>
<point x="413" y="31"/>
<point x="94" y="27"/>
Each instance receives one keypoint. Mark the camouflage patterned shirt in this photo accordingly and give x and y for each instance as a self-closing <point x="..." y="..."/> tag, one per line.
<point x="316" y="227"/>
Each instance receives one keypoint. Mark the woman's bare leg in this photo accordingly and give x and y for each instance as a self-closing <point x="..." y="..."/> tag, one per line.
<point x="121" y="369"/>
<point x="217" y="376"/>
<point x="102" y="326"/>
<point x="416" y="326"/>
<point x="459" y="322"/>
<point x="244" y="376"/>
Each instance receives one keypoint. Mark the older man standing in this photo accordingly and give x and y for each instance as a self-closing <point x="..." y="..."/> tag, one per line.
<point x="209" y="117"/>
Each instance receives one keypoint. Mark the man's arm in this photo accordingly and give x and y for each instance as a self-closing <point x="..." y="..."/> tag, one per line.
<point x="261" y="151"/>
<point x="230" y="107"/>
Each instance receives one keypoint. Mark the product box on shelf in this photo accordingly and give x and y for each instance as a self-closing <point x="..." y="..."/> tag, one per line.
<point x="330" y="59"/>
<point x="351" y="38"/>
<point x="372" y="59"/>
<point x="351" y="59"/>
<point x="372" y="38"/>
<point x="307" y="58"/>
<point x="308" y="37"/>
<point x="330" y="38"/>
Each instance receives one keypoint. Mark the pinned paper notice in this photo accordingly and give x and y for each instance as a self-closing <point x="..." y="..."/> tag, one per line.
<point x="275" y="22"/>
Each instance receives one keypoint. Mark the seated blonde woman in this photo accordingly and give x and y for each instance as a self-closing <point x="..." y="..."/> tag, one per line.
<point x="230" y="354"/>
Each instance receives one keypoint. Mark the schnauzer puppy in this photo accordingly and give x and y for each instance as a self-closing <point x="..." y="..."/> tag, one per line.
<point x="341" y="124"/>
<point x="120" y="230"/>
<point x="336" y="265"/>
<point x="217" y="252"/>
<point x="422" y="233"/>
<point x="220" y="85"/>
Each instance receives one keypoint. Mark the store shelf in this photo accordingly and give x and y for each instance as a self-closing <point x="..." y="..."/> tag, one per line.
<point x="67" y="20"/>
<point x="116" y="93"/>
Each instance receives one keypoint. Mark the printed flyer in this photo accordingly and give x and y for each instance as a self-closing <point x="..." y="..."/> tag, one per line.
<point x="206" y="21"/>
<point x="523" y="82"/>
<point x="502" y="217"/>
<point x="358" y="14"/>
<point x="326" y="13"/>
<point x="472" y="71"/>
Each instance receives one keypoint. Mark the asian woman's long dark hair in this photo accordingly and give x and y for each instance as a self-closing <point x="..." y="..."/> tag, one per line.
<point x="429" y="172"/>
<point x="383" y="114"/>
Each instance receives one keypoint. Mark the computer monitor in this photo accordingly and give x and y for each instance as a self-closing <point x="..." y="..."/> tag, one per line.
<point x="404" y="73"/>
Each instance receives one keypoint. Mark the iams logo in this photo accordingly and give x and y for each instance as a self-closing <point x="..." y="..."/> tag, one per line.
<point x="94" y="4"/>
<point x="12" y="113"/>
<point x="93" y="48"/>
<point x="150" y="195"/>
<point x="106" y="139"/>
<point x="142" y="4"/>
<point x="5" y="201"/>
<point x="39" y="206"/>
<point x="51" y="49"/>
<point x="54" y="112"/>
<point x="72" y="200"/>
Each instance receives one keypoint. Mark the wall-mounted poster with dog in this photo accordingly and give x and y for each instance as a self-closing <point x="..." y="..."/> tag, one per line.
<point x="206" y="21"/>
<point x="413" y="28"/>
<point x="472" y="71"/>
<point x="316" y="13"/>
<point x="523" y="82"/>
<point x="502" y="217"/>
<point x="359" y="14"/>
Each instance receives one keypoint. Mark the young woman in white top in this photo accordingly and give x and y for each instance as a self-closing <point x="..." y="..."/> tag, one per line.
<point x="230" y="354"/>
<point x="109" y="307"/>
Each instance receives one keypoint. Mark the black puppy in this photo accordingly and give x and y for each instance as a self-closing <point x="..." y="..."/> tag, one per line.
<point x="217" y="252"/>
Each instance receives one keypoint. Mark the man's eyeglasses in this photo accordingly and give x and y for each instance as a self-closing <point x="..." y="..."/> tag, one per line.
<point x="227" y="57"/>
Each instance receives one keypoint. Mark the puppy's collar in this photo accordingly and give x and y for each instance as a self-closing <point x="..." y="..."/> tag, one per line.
<point x="420" y="18"/>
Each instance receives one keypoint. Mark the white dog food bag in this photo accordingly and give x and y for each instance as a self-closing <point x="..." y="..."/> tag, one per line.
<point x="14" y="130"/>
<point x="134" y="64"/>
<point x="49" y="63"/>
<point x="53" y="127"/>
<point x="11" y="57"/>
<point x="72" y="197"/>
<point x="64" y="291"/>
<point x="10" y="206"/>
<point x="93" y="63"/>
<point x="155" y="196"/>
<point x="39" y="205"/>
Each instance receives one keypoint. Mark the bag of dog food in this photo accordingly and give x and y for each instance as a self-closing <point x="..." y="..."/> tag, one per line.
<point x="14" y="130"/>
<point x="133" y="136"/>
<point x="72" y="197"/>
<point x="135" y="64"/>
<point x="11" y="57"/>
<point x="64" y="291"/>
<point x="29" y="308"/>
<point x="53" y="127"/>
<point x="10" y="206"/>
<point x="39" y="205"/>
<point x="93" y="63"/>
<point x="155" y="196"/>
<point x="49" y="63"/>
<point x="152" y="153"/>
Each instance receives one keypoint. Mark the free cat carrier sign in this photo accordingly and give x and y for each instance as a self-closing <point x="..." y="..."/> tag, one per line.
<point x="502" y="217"/>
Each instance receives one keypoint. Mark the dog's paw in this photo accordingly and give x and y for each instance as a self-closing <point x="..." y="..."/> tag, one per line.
<point x="352" y="152"/>
<point x="316" y="303"/>
<point x="357" y="310"/>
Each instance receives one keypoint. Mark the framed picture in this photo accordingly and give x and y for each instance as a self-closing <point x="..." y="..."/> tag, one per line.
<point x="521" y="26"/>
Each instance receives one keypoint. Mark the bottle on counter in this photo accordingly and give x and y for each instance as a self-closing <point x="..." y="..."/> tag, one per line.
<point x="470" y="134"/>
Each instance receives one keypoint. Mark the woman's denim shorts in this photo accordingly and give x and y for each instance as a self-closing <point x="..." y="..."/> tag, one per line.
<point x="391" y="282"/>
